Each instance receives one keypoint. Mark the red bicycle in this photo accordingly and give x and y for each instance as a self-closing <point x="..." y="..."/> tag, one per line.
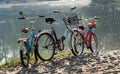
<point x="90" y="38"/>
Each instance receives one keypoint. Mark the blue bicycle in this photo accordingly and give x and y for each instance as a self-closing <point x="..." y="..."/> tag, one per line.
<point x="27" y="45"/>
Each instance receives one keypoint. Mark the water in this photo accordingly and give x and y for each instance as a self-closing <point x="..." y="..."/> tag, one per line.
<point x="108" y="34"/>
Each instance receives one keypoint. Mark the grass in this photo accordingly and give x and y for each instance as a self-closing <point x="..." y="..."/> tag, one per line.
<point x="16" y="62"/>
<point x="62" y="54"/>
<point x="12" y="63"/>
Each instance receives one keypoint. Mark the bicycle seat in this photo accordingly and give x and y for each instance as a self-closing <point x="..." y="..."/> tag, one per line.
<point x="25" y="30"/>
<point x="49" y="20"/>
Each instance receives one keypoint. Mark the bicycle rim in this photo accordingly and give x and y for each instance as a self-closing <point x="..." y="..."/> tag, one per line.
<point x="77" y="43"/>
<point x="46" y="46"/>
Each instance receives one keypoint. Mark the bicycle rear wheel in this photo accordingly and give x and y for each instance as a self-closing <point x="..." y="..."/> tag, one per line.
<point x="24" y="56"/>
<point x="76" y="43"/>
<point x="94" y="43"/>
<point x="46" y="46"/>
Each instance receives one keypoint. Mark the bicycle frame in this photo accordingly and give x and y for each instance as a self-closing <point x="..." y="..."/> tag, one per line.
<point x="68" y="27"/>
<point x="31" y="39"/>
<point x="88" y="35"/>
<point x="53" y="33"/>
<point x="50" y="38"/>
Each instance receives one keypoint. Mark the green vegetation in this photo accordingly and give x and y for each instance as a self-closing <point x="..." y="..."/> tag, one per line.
<point x="16" y="62"/>
<point x="12" y="63"/>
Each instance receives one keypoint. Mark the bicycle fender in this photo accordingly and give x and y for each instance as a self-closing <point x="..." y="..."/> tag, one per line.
<point x="21" y="46"/>
<point x="45" y="31"/>
<point x="76" y="29"/>
<point x="69" y="39"/>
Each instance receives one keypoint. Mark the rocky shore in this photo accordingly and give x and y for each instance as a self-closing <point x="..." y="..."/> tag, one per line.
<point x="106" y="62"/>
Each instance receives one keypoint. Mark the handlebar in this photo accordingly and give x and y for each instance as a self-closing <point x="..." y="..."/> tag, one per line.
<point x="31" y="20"/>
<point x="67" y="24"/>
<point x="56" y="11"/>
<point x="72" y="8"/>
<point x="23" y="17"/>
<point x="95" y="17"/>
<point x="41" y="16"/>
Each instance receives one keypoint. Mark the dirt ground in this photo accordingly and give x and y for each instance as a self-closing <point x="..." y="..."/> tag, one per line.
<point x="106" y="62"/>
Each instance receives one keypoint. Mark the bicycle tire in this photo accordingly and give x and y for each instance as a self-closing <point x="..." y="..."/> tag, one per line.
<point x="76" y="48"/>
<point x="28" y="58"/>
<point x="24" y="57"/>
<point x="43" y="51"/>
<point x="94" y="48"/>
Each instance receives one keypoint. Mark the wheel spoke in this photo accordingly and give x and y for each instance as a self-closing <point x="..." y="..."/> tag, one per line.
<point x="46" y="46"/>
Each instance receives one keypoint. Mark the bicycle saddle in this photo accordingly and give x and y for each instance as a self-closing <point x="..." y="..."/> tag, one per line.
<point x="25" y="30"/>
<point x="49" y="20"/>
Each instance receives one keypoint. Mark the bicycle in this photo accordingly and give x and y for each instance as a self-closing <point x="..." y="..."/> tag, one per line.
<point x="48" y="41"/>
<point x="27" y="45"/>
<point x="90" y="38"/>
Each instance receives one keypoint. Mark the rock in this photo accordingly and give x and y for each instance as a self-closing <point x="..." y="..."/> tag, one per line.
<point x="113" y="58"/>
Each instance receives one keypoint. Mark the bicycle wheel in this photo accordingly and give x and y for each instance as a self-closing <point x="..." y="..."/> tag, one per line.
<point x="94" y="43"/>
<point x="46" y="46"/>
<point x="24" y="57"/>
<point x="77" y="43"/>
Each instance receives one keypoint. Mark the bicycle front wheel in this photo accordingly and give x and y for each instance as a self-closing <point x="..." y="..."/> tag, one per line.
<point x="94" y="43"/>
<point x="46" y="46"/>
<point x="76" y="43"/>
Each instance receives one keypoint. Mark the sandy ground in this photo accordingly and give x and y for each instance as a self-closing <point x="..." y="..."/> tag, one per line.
<point x="106" y="62"/>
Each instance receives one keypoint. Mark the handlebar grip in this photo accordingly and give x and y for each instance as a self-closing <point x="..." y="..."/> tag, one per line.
<point x="97" y="18"/>
<point x="41" y="16"/>
<point x="73" y="8"/>
<point x="21" y="18"/>
<point x="56" y="11"/>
